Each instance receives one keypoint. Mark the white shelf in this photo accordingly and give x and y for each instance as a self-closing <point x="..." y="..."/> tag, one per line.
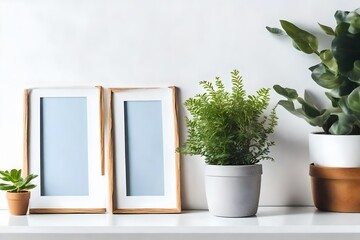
<point x="270" y="223"/>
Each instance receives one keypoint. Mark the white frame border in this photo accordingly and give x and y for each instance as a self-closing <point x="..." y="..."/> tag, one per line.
<point x="95" y="202"/>
<point x="119" y="202"/>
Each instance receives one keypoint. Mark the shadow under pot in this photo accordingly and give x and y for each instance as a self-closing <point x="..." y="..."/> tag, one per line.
<point x="335" y="189"/>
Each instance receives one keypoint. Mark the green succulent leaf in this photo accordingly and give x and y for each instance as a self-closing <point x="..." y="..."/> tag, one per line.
<point x="17" y="182"/>
<point x="6" y="179"/>
<point x="286" y="92"/>
<point x="276" y="31"/>
<point x="3" y="173"/>
<point x="328" y="30"/>
<point x="30" y="186"/>
<point x="353" y="100"/>
<point x="7" y="187"/>
<point x="304" y="40"/>
<point x="27" y="180"/>
<point x="324" y="77"/>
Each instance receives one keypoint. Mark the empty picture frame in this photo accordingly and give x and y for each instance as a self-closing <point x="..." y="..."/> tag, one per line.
<point x="64" y="145"/>
<point x="144" y="166"/>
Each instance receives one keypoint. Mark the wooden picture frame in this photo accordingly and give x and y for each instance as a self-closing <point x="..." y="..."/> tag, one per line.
<point x="64" y="145"/>
<point x="144" y="166"/>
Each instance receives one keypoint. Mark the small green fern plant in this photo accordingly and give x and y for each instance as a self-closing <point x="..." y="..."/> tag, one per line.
<point x="229" y="128"/>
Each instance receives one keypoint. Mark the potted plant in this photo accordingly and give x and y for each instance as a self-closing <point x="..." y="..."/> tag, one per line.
<point x="334" y="151"/>
<point x="229" y="129"/>
<point x="18" y="194"/>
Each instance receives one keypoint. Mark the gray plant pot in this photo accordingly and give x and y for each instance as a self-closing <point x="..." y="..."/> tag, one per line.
<point x="233" y="191"/>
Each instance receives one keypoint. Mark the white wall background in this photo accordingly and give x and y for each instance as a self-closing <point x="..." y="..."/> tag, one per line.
<point x="117" y="43"/>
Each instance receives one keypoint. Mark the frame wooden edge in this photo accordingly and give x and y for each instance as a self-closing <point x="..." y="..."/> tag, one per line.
<point x="177" y="145"/>
<point x="26" y="133"/>
<point x="146" y="210"/>
<point x="102" y="129"/>
<point x="110" y="152"/>
<point x="66" y="210"/>
<point x="131" y="88"/>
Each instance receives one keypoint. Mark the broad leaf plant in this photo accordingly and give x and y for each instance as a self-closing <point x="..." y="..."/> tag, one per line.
<point x="338" y="72"/>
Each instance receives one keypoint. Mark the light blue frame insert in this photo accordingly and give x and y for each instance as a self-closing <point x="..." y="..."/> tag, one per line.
<point x="64" y="146"/>
<point x="144" y="148"/>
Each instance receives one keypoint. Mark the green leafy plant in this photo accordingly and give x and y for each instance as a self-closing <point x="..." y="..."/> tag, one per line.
<point x="338" y="72"/>
<point x="17" y="183"/>
<point x="229" y="128"/>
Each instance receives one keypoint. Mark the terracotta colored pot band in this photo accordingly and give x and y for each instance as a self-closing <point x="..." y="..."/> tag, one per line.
<point x="334" y="172"/>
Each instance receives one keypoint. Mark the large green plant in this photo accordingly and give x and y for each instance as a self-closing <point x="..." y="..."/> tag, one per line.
<point x="338" y="72"/>
<point x="16" y="182"/>
<point x="229" y="128"/>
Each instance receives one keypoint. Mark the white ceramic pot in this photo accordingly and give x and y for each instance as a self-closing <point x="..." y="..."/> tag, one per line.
<point x="334" y="150"/>
<point x="233" y="191"/>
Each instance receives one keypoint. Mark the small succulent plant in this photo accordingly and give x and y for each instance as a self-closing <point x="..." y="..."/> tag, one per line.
<point x="16" y="182"/>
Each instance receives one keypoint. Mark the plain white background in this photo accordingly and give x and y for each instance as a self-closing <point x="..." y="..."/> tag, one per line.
<point x="121" y="43"/>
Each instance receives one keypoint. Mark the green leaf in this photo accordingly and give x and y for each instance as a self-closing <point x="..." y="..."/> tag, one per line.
<point x="340" y="16"/>
<point x="286" y="92"/>
<point x="14" y="174"/>
<point x="355" y="25"/>
<point x="324" y="77"/>
<point x="354" y="75"/>
<point x="353" y="100"/>
<point x="29" y="187"/>
<point x="3" y="173"/>
<point x="289" y="106"/>
<point x="6" y="179"/>
<point x="309" y="109"/>
<point x="276" y="31"/>
<point x="295" y="46"/>
<point x="18" y="174"/>
<point x="342" y="29"/>
<point x="346" y="50"/>
<point x="329" y="61"/>
<point x="342" y="104"/>
<point x="27" y="180"/>
<point x="328" y="30"/>
<point x="333" y="98"/>
<point x="343" y="126"/>
<point x="7" y="187"/>
<point x="345" y="88"/>
<point x="304" y="40"/>
<point x="308" y="106"/>
<point x="314" y="121"/>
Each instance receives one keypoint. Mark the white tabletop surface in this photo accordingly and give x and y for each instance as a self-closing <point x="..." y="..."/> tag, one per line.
<point x="276" y="221"/>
